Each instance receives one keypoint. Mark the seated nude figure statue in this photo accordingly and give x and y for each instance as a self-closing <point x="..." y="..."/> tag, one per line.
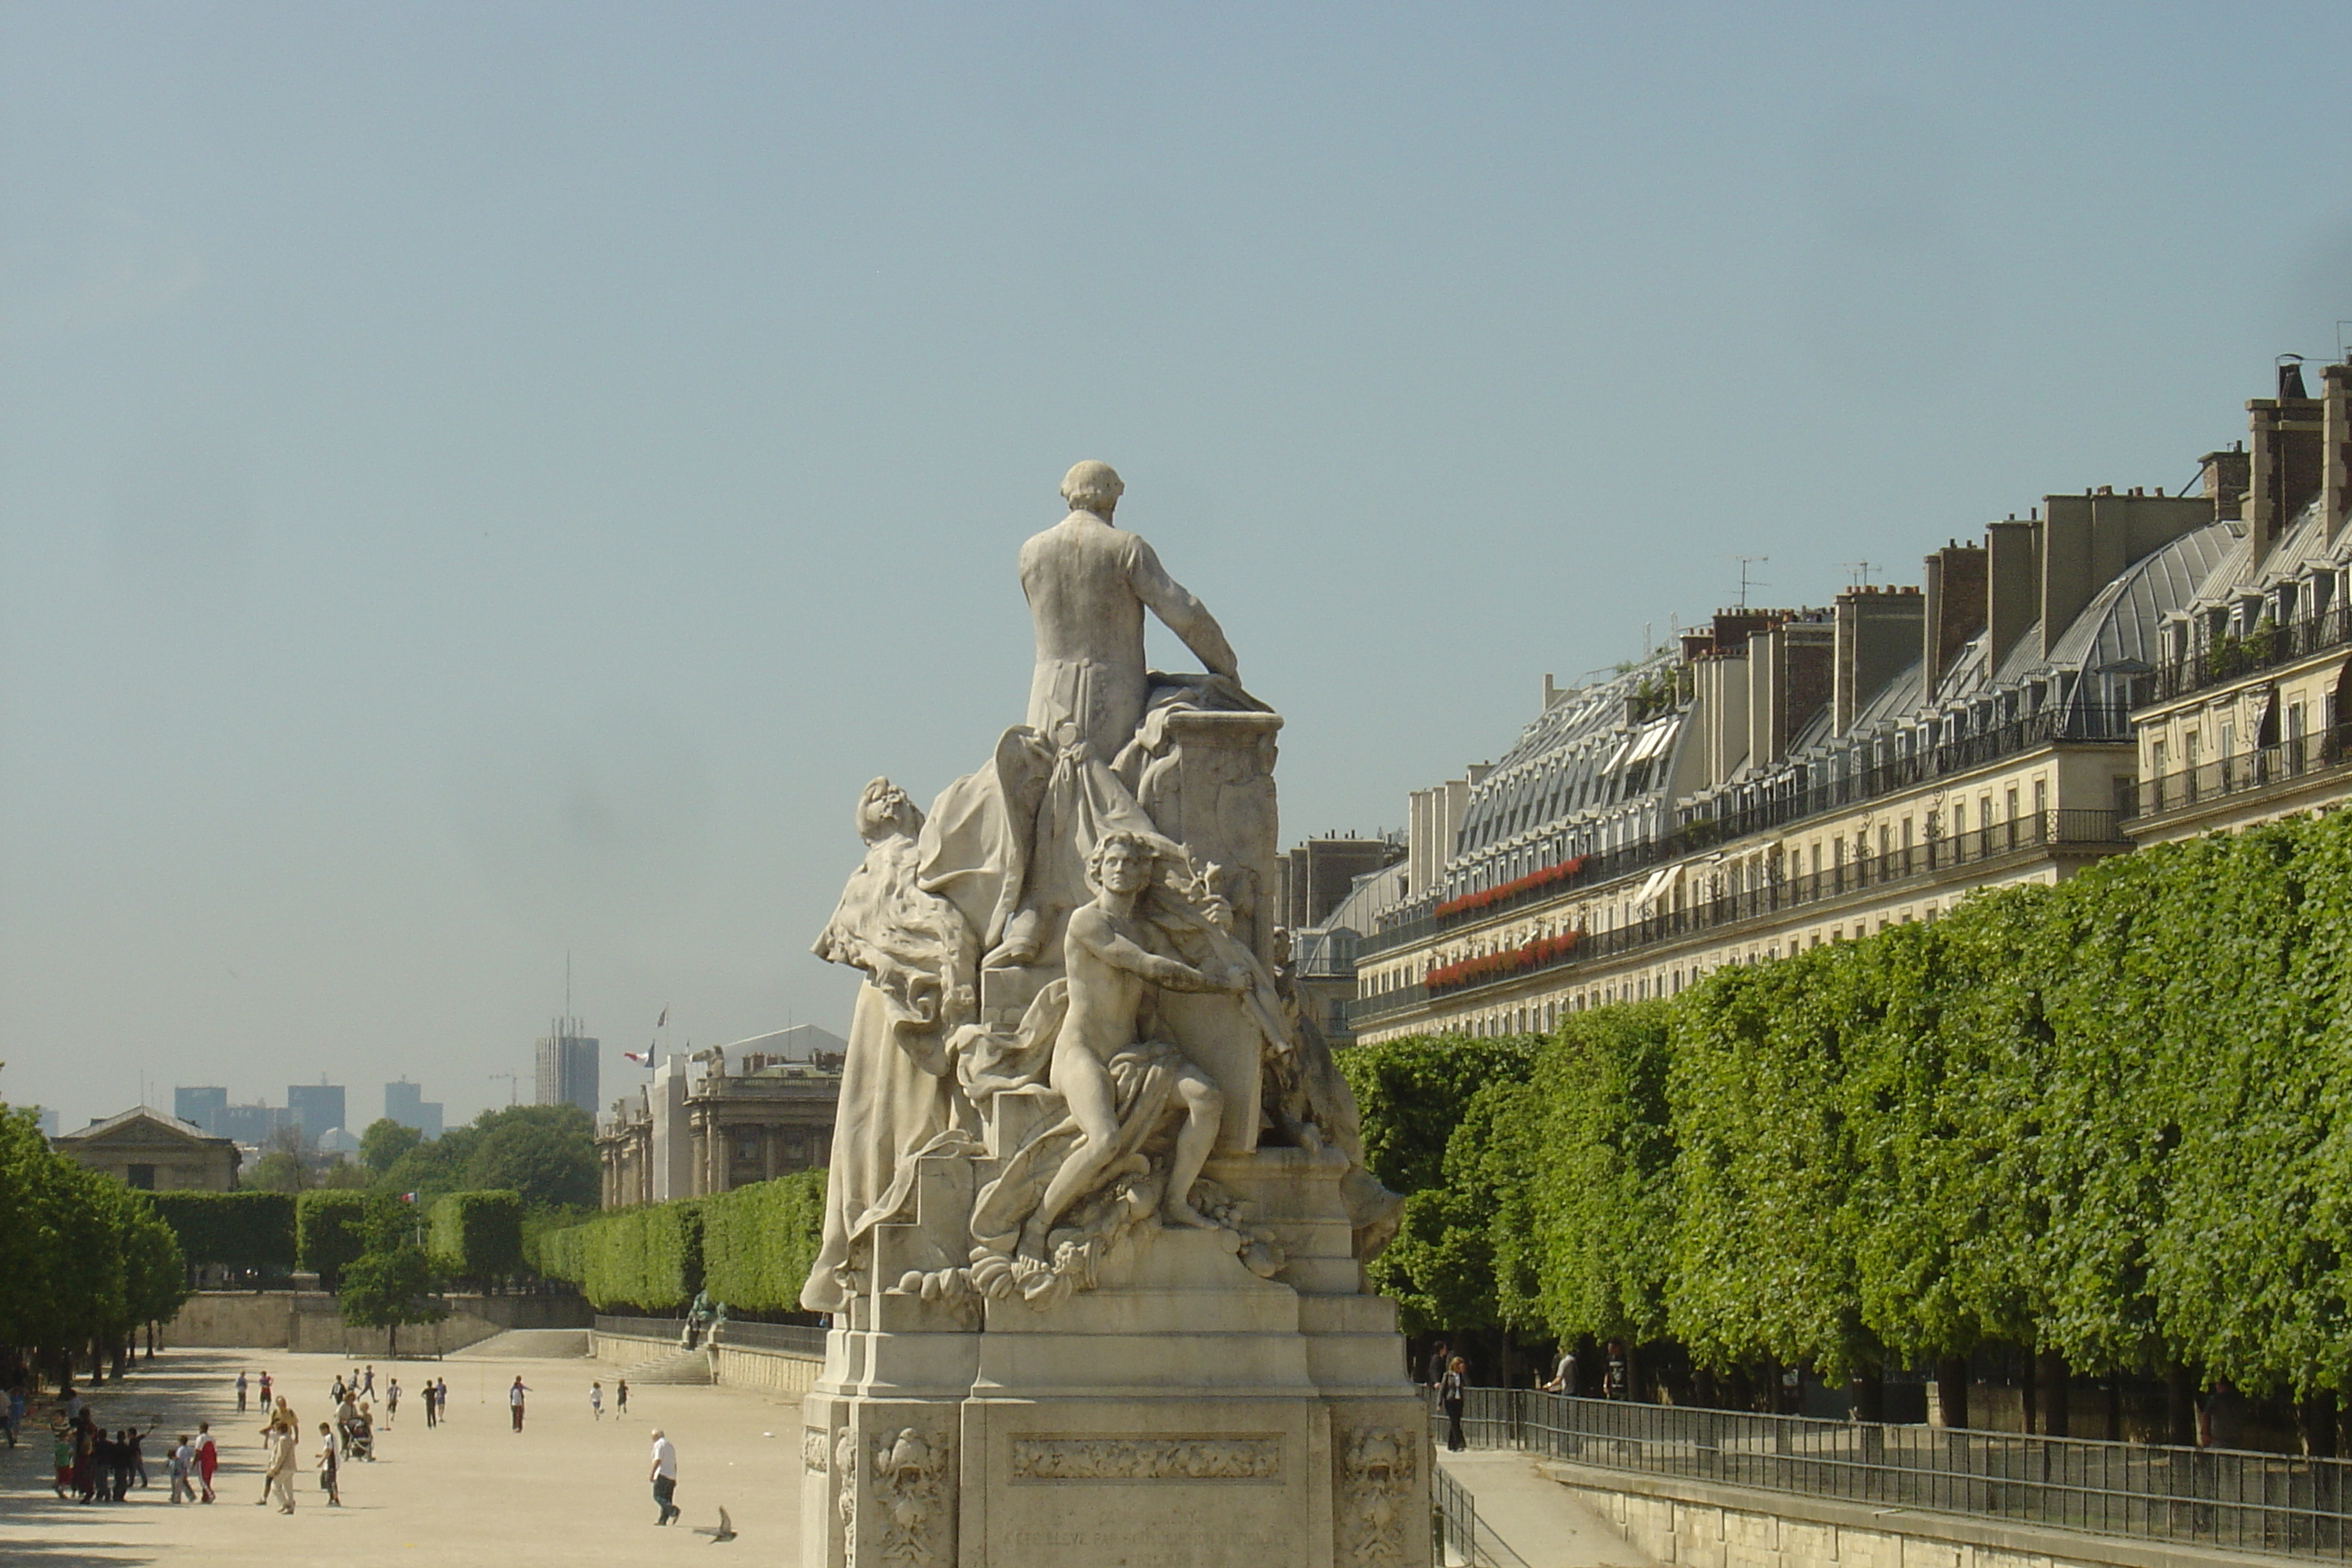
<point x="1109" y="965"/>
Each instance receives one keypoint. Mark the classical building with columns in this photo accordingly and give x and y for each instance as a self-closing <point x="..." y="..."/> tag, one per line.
<point x="2112" y="668"/>
<point x="724" y="1118"/>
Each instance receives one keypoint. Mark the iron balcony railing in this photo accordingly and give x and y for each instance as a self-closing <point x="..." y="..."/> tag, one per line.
<point x="2264" y="648"/>
<point x="2079" y="721"/>
<point x="2095" y="832"/>
<point x="2228" y="1499"/>
<point x="2248" y="770"/>
<point x="1453" y="1522"/>
<point x="1720" y="822"/>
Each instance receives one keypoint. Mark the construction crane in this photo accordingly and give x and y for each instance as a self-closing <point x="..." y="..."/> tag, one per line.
<point x="513" y="1088"/>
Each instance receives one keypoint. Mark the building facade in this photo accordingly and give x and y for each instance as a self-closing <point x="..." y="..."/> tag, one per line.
<point x="2113" y="668"/>
<point x="201" y="1106"/>
<point x="318" y="1108"/>
<point x="699" y="1127"/>
<point x="145" y="1149"/>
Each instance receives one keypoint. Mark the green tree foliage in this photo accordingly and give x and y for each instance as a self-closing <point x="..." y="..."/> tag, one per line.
<point x="750" y="1249"/>
<point x="648" y="1259"/>
<point x="1440" y="1118"/>
<point x="384" y="1141"/>
<point x="545" y="1152"/>
<point x="757" y="1242"/>
<point x="331" y="1229"/>
<point x="234" y="1231"/>
<point x="278" y="1172"/>
<point x="477" y="1236"/>
<point x="390" y="1289"/>
<point x="2106" y="1120"/>
<point x="1599" y="1176"/>
<point x="86" y="1259"/>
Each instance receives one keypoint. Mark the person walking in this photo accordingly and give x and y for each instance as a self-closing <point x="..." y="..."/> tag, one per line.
<point x="279" y="1480"/>
<point x="367" y="1384"/>
<point x="391" y="1404"/>
<point x="265" y="1389"/>
<point x="136" y="1457"/>
<point x="15" y="1412"/>
<point x="1449" y="1395"/>
<point x="596" y="1400"/>
<point x="240" y="1391"/>
<point x="1438" y="1358"/>
<point x="207" y="1458"/>
<point x="61" y="1457"/>
<point x="330" y="1471"/>
<point x="431" y="1413"/>
<point x="441" y="1401"/>
<point x="514" y="1401"/>
<point x="181" y="1461"/>
<point x="664" y="1475"/>
<point x="621" y="1399"/>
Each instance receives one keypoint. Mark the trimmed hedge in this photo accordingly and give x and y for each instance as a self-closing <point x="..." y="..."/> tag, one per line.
<point x="759" y="1242"/>
<point x="750" y="1249"/>
<point x="2104" y="1120"/>
<point x="477" y="1235"/>
<point x="331" y="1229"/>
<point x="234" y="1231"/>
<point x="649" y="1258"/>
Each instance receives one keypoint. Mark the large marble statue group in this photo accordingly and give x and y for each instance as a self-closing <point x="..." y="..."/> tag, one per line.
<point x="1073" y="977"/>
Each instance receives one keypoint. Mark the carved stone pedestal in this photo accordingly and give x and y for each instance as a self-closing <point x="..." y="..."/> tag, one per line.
<point x="1182" y="1413"/>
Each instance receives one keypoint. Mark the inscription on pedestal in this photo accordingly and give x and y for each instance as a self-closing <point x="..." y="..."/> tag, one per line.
<point x="1205" y="1458"/>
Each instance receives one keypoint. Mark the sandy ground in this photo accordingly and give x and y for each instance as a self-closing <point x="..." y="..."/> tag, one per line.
<point x="570" y="1490"/>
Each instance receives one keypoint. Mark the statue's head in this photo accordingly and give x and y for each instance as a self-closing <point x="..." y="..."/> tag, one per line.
<point x="883" y="810"/>
<point x="1123" y="862"/>
<point x="1093" y="487"/>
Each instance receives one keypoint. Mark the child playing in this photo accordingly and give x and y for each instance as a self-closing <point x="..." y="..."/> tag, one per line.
<point x="327" y="1461"/>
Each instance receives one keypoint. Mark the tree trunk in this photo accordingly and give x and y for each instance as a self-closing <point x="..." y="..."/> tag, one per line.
<point x="1952" y="1391"/>
<point x="1869" y="1391"/>
<point x="2179" y="1407"/>
<point x="2114" y="1408"/>
<point x="2029" y="1390"/>
<point x="2315" y="1419"/>
<point x="2054" y="1377"/>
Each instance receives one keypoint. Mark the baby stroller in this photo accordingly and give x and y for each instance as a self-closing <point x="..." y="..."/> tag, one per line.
<point x="359" y="1437"/>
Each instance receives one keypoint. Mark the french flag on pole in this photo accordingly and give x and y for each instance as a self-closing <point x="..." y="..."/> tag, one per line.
<point x="643" y="1059"/>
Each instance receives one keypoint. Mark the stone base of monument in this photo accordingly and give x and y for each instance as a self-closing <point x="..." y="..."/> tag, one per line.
<point x="1183" y="1412"/>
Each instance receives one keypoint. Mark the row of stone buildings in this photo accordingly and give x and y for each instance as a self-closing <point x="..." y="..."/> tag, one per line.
<point x="696" y="1126"/>
<point x="2114" y="668"/>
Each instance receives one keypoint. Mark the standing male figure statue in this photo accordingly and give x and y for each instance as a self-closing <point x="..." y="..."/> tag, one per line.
<point x="1089" y="584"/>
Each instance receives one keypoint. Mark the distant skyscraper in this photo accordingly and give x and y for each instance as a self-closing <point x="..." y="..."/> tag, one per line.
<point x="567" y="1066"/>
<point x="315" y="1108"/>
<point x="405" y="1102"/>
<point x="251" y="1125"/>
<point x="200" y="1107"/>
<point x="48" y="1119"/>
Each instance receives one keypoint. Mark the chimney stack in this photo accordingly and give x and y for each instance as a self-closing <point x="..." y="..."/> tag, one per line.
<point x="1878" y="635"/>
<point x="2225" y="476"/>
<point x="2284" y="435"/>
<point x="1956" y="590"/>
<point x="2087" y="541"/>
<point x="2336" y="445"/>
<point x="2012" y="585"/>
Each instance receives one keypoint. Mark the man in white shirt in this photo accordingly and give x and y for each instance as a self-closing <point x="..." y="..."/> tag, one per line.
<point x="664" y="1475"/>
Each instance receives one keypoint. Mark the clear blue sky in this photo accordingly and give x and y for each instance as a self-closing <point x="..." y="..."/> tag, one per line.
<point x="479" y="481"/>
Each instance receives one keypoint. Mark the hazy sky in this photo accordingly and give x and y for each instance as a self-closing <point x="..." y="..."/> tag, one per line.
<point x="479" y="481"/>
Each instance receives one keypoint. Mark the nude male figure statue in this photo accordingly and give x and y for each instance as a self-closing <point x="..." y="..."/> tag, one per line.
<point x="1110" y="964"/>
<point x="1088" y="585"/>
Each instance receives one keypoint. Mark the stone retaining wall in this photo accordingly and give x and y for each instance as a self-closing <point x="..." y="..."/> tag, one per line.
<point x="731" y="1366"/>
<point x="311" y="1320"/>
<point x="1693" y="1524"/>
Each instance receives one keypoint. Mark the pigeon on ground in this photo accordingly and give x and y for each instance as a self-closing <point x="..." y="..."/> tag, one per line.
<point x="723" y="1530"/>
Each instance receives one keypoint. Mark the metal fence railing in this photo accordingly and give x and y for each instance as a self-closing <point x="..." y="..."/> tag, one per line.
<point x="1453" y="1523"/>
<point x="2229" y="1498"/>
<point x="791" y="1339"/>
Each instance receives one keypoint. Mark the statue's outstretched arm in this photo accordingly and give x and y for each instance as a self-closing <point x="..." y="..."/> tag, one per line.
<point x="1119" y="952"/>
<point x="1182" y="613"/>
